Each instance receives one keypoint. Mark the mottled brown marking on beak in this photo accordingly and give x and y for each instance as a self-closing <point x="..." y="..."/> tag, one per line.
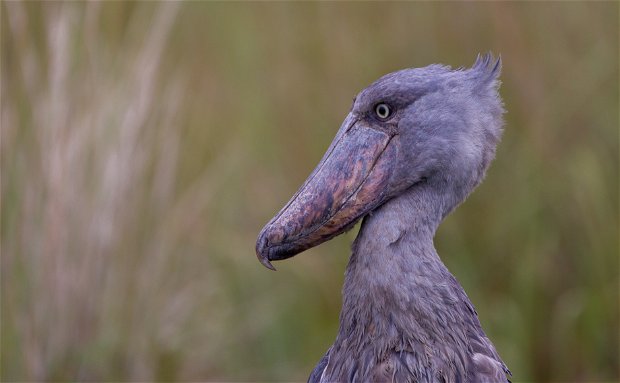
<point x="349" y="182"/>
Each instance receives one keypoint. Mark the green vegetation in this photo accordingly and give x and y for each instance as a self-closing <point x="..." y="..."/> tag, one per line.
<point x="145" y="144"/>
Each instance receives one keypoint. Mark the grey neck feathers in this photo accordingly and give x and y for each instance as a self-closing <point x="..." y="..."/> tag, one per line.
<point x="398" y="295"/>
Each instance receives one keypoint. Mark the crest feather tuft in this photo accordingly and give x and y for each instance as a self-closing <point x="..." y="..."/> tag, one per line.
<point x="486" y="68"/>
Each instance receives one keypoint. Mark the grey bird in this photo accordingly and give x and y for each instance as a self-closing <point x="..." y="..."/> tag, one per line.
<point x="414" y="145"/>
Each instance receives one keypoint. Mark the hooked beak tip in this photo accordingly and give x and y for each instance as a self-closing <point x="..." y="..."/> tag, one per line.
<point x="262" y="252"/>
<point x="266" y="263"/>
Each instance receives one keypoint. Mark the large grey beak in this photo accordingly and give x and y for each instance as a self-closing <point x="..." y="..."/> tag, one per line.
<point x="350" y="181"/>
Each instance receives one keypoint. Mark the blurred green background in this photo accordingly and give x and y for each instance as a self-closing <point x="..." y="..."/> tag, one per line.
<point x="144" y="145"/>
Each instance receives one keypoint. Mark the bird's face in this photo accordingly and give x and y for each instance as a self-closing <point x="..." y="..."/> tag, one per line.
<point x="405" y="128"/>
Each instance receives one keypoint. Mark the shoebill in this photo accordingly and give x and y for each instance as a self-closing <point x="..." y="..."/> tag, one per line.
<point x="414" y="145"/>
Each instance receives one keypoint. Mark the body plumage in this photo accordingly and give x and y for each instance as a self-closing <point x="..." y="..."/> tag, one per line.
<point x="414" y="145"/>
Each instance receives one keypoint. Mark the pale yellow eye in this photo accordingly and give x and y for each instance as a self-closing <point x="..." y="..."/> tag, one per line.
<point x="383" y="111"/>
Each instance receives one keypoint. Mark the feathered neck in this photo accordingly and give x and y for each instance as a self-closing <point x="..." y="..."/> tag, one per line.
<point x="399" y="297"/>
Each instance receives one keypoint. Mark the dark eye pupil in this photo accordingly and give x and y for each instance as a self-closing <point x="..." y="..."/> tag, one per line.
<point x="382" y="110"/>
